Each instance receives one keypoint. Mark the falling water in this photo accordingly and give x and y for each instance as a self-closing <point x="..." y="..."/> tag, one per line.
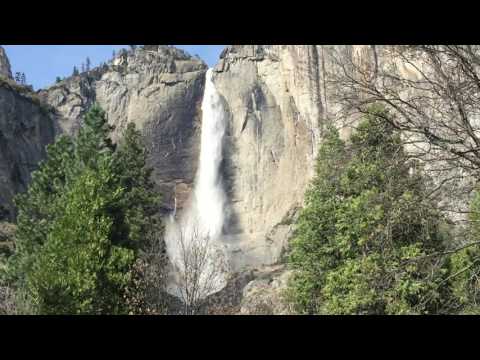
<point x="209" y="193"/>
<point x="205" y="212"/>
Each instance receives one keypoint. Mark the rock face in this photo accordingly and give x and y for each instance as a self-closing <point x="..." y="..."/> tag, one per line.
<point x="277" y="108"/>
<point x="266" y="294"/>
<point x="24" y="133"/>
<point x="25" y="129"/>
<point x="5" y="70"/>
<point x="160" y="89"/>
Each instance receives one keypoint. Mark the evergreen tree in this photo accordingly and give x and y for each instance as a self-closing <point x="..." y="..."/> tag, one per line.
<point x="39" y="206"/>
<point x="23" y="79"/>
<point x="82" y="224"/>
<point x="93" y="139"/>
<point x="361" y="241"/>
<point x="18" y="77"/>
<point x="140" y="199"/>
<point x="75" y="71"/>
<point x="80" y="270"/>
<point x="87" y="64"/>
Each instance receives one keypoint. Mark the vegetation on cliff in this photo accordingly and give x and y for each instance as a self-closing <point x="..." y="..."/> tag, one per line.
<point x="26" y="92"/>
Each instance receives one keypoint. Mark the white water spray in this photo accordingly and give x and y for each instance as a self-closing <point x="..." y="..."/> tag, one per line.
<point x="204" y="216"/>
<point x="209" y="193"/>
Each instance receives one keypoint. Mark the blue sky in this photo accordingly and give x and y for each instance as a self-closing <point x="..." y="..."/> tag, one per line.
<point x="43" y="63"/>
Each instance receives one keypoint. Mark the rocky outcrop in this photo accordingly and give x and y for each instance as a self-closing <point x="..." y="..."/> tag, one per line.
<point x="266" y="295"/>
<point x="277" y="108"/>
<point x="160" y="89"/>
<point x="25" y="129"/>
<point x="5" y="70"/>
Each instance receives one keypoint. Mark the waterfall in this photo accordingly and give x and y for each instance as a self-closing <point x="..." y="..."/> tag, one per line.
<point x="199" y="228"/>
<point x="209" y="193"/>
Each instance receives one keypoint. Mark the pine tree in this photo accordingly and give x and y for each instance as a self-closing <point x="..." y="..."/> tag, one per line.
<point x="39" y="206"/>
<point x="87" y="64"/>
<point x="75" y="71"/>
<point x="93" y="139"/>
<point x="88" y="212"/>
<point x="18" y="77"/>
<point x="367" y="225"/>
<point x="79" y="270"/>
<point x="23" y="79"/>
<point x="141" y="199"/>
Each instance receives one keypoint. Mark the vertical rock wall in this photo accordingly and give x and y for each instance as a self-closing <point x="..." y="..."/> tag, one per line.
<point x="277" y="110"/>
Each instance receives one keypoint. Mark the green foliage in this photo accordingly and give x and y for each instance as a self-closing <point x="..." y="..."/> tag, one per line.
<point x="40" y="205"/>
<point x="362" y="237"/>
<point x="140" y="200"/>
<point x="93" y="142"/>
<point x="82" y="224"/>
<point x="79" y="270"/>
<point x="465" y="266"/>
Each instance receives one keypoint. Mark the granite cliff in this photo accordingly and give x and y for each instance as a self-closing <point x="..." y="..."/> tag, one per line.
<point x="26" y="127"/>
<point x="5" y="70"/>
<point x="278" y="100"/>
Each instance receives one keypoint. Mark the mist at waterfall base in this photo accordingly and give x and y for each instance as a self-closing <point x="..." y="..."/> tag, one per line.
<point x="205" y="212"/>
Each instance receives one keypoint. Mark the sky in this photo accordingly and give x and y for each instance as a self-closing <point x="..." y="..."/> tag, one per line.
<point x="43" y="63"/>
